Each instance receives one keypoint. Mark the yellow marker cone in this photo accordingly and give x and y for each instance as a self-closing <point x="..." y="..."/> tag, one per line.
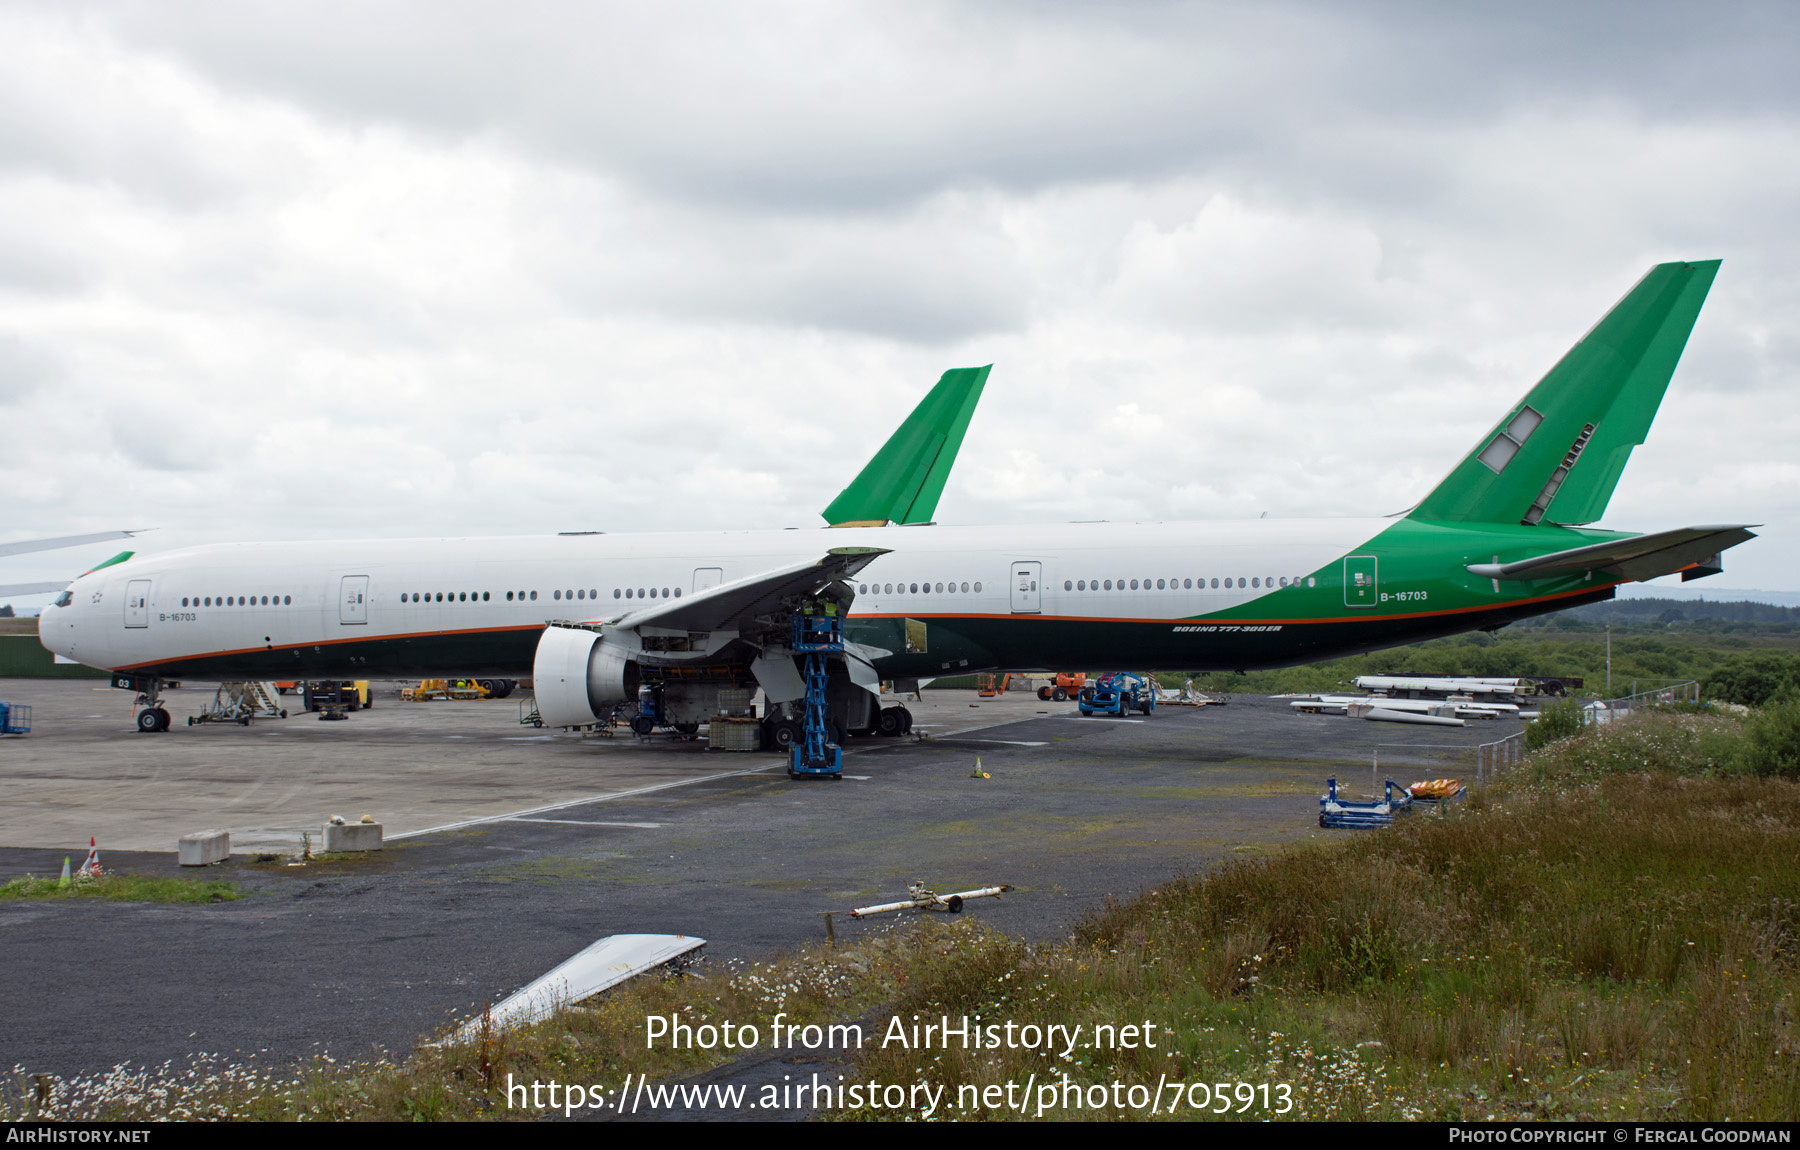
<point x="978" y="773"/>
<point x="66" y="880"/>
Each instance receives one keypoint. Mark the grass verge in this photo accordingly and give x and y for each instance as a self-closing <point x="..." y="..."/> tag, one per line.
<point x="1610" y="934"/>
<point x="120" y="888"/>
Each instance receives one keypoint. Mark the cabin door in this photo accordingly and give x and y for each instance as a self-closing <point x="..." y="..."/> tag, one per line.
<point x="137" y="603"/>
<point x="353" y="599"/>
<point x="1026" y="598"/>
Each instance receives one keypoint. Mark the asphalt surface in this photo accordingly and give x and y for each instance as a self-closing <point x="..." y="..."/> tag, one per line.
<point x="383" y="951"/>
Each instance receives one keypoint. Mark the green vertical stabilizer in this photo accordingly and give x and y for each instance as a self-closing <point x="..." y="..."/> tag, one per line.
<point x="1557" y="454"/>
<point x="904" y="480"/>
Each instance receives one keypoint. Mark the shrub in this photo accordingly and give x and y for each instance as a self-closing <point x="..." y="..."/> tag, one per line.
<point x="1555" y="721"/>
<point x="1752" y="680"/>
<point x="1772" y="739"/>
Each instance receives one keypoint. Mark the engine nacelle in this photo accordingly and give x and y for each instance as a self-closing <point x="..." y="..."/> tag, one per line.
<point x="579" y="674"/>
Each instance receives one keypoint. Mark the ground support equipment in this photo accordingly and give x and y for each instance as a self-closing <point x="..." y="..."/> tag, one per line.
<point x="817" y="635"/>
<point x="15" y="719"/>
<point x="240" y="702"/>
<point x="919" y="897"/>
<point x="1118" y="693"/>
<point x="1336" y="812"/>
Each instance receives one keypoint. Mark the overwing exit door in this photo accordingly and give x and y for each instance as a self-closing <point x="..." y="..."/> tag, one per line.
<point x="1026" y="598"/>
<point x="353" y="599"/>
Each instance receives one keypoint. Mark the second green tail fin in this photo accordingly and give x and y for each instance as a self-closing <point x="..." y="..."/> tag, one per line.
<point x="1558" y="453"/>
<point x="902" y="483"/>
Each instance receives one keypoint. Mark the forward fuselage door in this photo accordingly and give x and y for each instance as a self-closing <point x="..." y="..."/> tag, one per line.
<point x="353" y="599"/>
<point x="1359" y="581"/>
<point x="1026" y="598"/>
<point x="705" y="577"/>
<point x="137" y="603"/>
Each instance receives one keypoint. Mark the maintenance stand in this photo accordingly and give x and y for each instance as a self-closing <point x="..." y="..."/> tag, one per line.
<point x="818" y="634"/>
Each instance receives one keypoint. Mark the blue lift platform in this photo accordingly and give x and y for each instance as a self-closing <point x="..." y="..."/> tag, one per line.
<point x="15" y="719"/>
<point x="818" y="634"/>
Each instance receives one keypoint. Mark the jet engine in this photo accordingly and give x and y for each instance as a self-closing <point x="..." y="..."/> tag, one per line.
<point x="579" y="674"/>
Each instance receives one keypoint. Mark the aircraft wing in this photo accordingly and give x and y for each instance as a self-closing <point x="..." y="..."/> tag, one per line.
<point x="32" y="588"/>
<point x="1638" y="558"/>
<point x="730" y="606"/>
<point x="26" y="546"/>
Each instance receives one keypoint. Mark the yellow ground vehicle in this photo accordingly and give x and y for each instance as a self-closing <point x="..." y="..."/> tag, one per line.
<point x="352" y="695"/>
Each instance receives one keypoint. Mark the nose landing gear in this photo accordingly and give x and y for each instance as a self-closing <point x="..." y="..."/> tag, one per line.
<point x="152" y="717"/>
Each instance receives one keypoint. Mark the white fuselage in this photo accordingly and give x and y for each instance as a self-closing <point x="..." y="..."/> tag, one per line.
<point x="198" y="604"/>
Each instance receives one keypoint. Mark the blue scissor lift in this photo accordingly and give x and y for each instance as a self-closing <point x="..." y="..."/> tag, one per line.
<point x="818" y="634"/>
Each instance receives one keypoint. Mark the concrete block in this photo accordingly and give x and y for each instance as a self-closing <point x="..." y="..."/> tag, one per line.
<point x="204" y="848"/>
<point x="352" y="837"/>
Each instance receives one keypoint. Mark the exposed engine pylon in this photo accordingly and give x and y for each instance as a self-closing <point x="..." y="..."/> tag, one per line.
<point x="580" y="675"/>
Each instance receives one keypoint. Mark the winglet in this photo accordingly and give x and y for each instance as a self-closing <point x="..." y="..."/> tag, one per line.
<point x="904" y="480"/>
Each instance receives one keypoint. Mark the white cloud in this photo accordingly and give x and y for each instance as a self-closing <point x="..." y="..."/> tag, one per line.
<point x="556" y="269"/>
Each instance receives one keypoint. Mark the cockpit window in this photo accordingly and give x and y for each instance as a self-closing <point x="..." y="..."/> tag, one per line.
<point x="66" y="598"/>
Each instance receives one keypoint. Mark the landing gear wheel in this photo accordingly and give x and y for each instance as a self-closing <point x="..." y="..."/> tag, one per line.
<point x="784" y="734"/>
<point x="643" y="725"/>
<point x="905" y="721"/>
<point x="148" y="721"/>
<point x="889" y="724"/>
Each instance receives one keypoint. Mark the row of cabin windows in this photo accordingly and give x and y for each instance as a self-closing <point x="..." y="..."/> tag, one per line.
<point x="666" y="592"/>
<point x="239" y="601"/>
<point x="455" y="596"/>
<point x="531" y="596"/>
<point x="912" y="588"/>
<point x="1182" y="584"/>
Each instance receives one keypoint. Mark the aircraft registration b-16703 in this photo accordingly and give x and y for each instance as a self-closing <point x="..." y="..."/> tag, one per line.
<point x="591" y="617"/>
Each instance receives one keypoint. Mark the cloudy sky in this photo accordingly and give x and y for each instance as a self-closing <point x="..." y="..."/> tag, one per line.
<point x="332" y="269"/>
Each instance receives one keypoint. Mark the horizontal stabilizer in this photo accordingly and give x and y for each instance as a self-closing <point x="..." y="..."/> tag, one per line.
<point x="1638" y="558"/>
<point x="729" y="606"/>
<point x="25" y="546"/>
<point x="32" y="588"/>
<point x="904" y="480"/>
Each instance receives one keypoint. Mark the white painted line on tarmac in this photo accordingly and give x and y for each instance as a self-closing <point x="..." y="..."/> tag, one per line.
<point x="588" y="823"/>
<point x="1005" y="742"/>
<point x="1100" y="719"/>
<point x="563" y="806"/>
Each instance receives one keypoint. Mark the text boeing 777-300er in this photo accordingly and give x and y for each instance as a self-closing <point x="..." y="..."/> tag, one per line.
<point x="591" y="617"/>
